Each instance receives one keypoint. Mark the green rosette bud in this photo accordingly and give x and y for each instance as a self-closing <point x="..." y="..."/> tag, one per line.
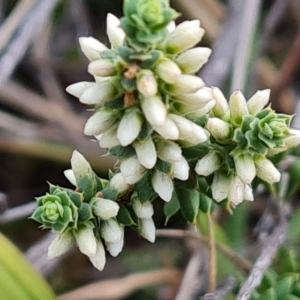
<point x="58" y="211"/>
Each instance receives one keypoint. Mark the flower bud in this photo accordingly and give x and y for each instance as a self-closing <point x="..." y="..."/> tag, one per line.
<point x="91" y="48"/>
<point x="154" y="110"/>
<point x="185" y="36"/>
<point x="77" y="89"/>
<point x="86" y="241"/>
<point x="102" y="68"/>
<point x="111" y="231"/>
<point x="294" y="139"/>
<point x="116" y="34"/>
<point x="104" y="208"/>
<point x="219" y="186"/>
<point x="245" y="168"/>
<point x="142" y="209"/>
<point x="189" y="131"/>
<point x="118" y="183"/>
<point x="167" y="70"/>
<point x="132" y="170"/>
<point x="266" y="170"/>
<point x="61" y="244"/>
<point x="258" y="101"/>
<point x="221" y="107"/>
<point x="162" y="184"/>
<point x="187" y="84"/>
<point x="197" y="111"/>
<point x="69" y="174"/>
<point x="80" y="165"/>
<point x="99" y="259"/>
<point x="274" y="151"/>
<point x="192" y="60"/>
<point x="147" y="229"/>
<point x="219" y="129"/>
<point x="168" y="151"/>
<point x="146" y="83"/>
<point x="99" y="93"/>
<point x="236" y="190"/>
<point x="146" y="152"/>
<point x="180" y="169"/>
<point x="208" y="164"/>
<point x="248" y="193"/>
<point x="171" y="26"/>
<point x="201" y="97"/>
<point x="168" y="130"/>
<point x="238" y="107"/>
<point x="100" y="121"/>
<point x="109" y="138"/>
<point x="115" y="248"/>
<point x="129" y="126"/>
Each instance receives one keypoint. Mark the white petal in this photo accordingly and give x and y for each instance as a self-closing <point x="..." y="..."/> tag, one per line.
<point x="180" y="169"/>
<point x="142" y="209"/>
<point x="99" y="259"/>
<point x="155" y="110"/>
<point x="118" y="183"/>
<point x="168" y="130"/>
<point x="132" y="170"/>
<point x="77" y="89"/>
<point x="109" y="138"/>
<point x="245" y="168"/>
<point x="115" y="248"/>
<point x="70" y="176"/>
<point x="111" y="231"/>
<point x="168" y="151"/>
<point x="80" y="165"/>
<point x="105" y="208"/>
<point x="208" y="164"/>
<point x="220" y="186"/>
<point x="91" y="47"/>
<point x="116" y="34"/>
<point x="86" y="241"/>
<point x="60" y="245"/>
<point x="147" y="229"/>
<point x="266" y="170"/>
<point x="236" y="190"/>
<point x="258" y="101"/>
<point x="146" y="152"/>
<point x="163" y="185"/>
<point x="248" y="194"/>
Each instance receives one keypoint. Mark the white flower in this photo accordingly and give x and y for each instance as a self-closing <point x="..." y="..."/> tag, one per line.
<point x="168" y="151"/>
<point x="236" y="190"/>
<point x="109" y="138"/>
<point x="219" y="186"/>
<point x="98" y="260"/>
<point x="184" y="36"/>
<point x="221" y="108"/>
<point x="132" y="170"/>
<point x="196" y="111"/>
<point x="146" y="83"/>
<point x="102" y="68"/>
<point x="238" y="107"/>
<point x="245" y="168"/>
<point x="208" y="164"/>
<point x="111" y="231"/>
<point x="201" y="97"/>
<point x="192" y="60"/>
<point x="187" y="84"/>
<point x="69" y="174"/>
<point x="78" y="88"/>
<point x="116" y="34"/>
<point x="294" y="139"/>
<point x="105" y="208"/>
<point x="219" y="129"/>
<point x="129" y="127"/>
<point x="142" y="209"/>
<point x="115" y="248"/>
<point x="180" y="169"/>
<point x="266" y="170"/>
<point x="60" y="245"/>
<point x="91" y="47"/>
<point x="248" y="194"/>
<point x="162" y="184"/>
<point x="147" y="229"/>
<point x="86" y="241"/>
<point x="168" y="130"/>
<point x="118" y="182"/>
<point x="80" y="165"/>
<point x="146" y="152"/>
<point x="99" y="122"/>
<point x="167" y="70"/>
<point x="258" y="101"/>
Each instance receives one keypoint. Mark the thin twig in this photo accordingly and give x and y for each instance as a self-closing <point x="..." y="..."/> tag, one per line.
<point x="17" y="213"/>
<point x="212" y="279"/>
<point x="221" y="292"/>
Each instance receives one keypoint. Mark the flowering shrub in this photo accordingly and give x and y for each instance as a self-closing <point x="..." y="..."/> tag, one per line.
<point x="175" y="138"/>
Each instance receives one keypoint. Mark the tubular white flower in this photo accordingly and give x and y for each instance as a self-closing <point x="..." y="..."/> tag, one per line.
<point x="219" y="129"/>
<point x="201" y="97"/>
<point x="171" y="26"/>
<point x="167" y="70"/>
<point x="266" y="170"/>
<point x="99" y="259"/>
<point x="146" y="152"/>
<point x="99" y="122"/>
<point x="116" y="34"/>
<point x="146" y="83"/>
<point x="118" y="182"/>
<point x="245" y="168"/>
<point x="86" y="241"/>
<point x="80" y="165"/>
<point x="189" y="131"/>
<point x="102" y="68"/>
<point x="199" y="111"/>
<point x="142" y="210"/>
<point x="109" y="138"/>
<point x="147" y="229"/>
<point x="238" y="107"/>
<point x="168" y="130"/>
<point x="69" y="174"/>
<point x="184" y="36"/>
<point x="208" y="164"/>
<point x="168" y="151"/>
<point x="236" y="190"/>
<point x="111" y="231"/>
<point x="180" y="169"/>
<point x="162" y="184"/>
<point x="221" y="108"/>
<point x="129" y="127"/>
<point x="294" y="139"/>
<point x="258" y="101"/>
<point x="248" y="193"/>
<point x="192" y="60"/>
<point x="61" y="244"/>
<point x="98" y="93"/>
<point x="187" y="84"/>
<point x="91" y="48"/>
<point x="105" y="208"/>
<point x="77" y="89"/>
<point x="219" y="186"/>
<point x="132" y="170"/>
<point x="115" y="248"/>
<point x="154" y="110"/>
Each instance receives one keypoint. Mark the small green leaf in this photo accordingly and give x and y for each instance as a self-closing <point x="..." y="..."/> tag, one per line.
<point x="164" y="166"/>
<point x="269" y="294"/>
<point x="144" y="189"/>
<point x="122" y="152"/>
<point x="109" y="54"/>
<point x="129" y="84"/>
<point x="284" y="287"/>
<point x="124" y="216"/>
<point x="85" y="212"/>
<point x="172" y="207"/>
<point x="205" y="203"/>
<point x="110" y="193"/>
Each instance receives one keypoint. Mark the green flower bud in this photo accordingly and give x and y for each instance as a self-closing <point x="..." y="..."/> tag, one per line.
<point x="105" y="208"/>
<point x="192" y="60"/>
<point x="220" y="130"/>
<point x="219" y="186"/>
<point x="91" y="48"/>
<point x="98" y="260"/>
<point x="258" y="101"/>
<point x="221" y="108"/>
<point x="245" y="167"/>
<point x="266" y="170"/>
<point x="86" y="240"/>
<point x="116" y="34"/>
<point x="146" y="152"/>
<point x="147" y="229"/>
<point x="102" y="67"/>
<point x="208" y="164"/>
<point x="61" y="244"/>
<point x="162" y="184"/>
<point x="146" y="83"/>
<point x="142" y="209"/>
<point x="167" y="70"/>
<point x="132" y="170"/>
<point x="238" y="107"/>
